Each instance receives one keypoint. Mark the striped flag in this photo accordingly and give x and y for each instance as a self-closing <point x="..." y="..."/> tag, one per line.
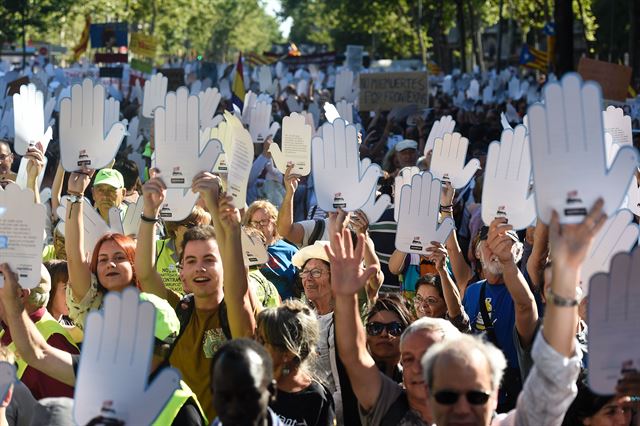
<point x="534" y="58"/>
<point x="237" y="90"/>
<point x="82" y="45"/>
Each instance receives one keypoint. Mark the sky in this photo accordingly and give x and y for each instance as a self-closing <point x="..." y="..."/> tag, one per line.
<point x="273" y="7"/>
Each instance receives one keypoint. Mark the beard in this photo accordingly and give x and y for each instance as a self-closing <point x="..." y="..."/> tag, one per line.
<point x="492" y="266"/>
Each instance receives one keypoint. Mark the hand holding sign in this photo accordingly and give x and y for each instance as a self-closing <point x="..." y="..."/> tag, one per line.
<point x="447" y="160"/>
<point x="403" y="178"/>
<point x="296" y="145"/>
<point x="566" y="133"/>
<point x="506" y="180"/>
<point x="418" y="218"/>
<point x="613" y="322"/>
<point x="155" y="91"/>
<point x="29" y="119"/>
<point x="340" y="181"/>
<point x="21" y="231"/>
<point x="82" y="129"/>
<point x="440" y="127"/>
<point x="113" y="374"/>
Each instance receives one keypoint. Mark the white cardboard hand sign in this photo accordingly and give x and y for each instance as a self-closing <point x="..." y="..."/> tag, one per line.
<point x="339" y="178"/>
<point x="419" y="212"/>
<point x="177" y="141"/>
<point x="254" y="250"/>
<point x="505" y="122"/>
<point x="94" y="226"/>
<point x="29" y="119"/>
<point x="447" y="160"/>
<point x="133" y="138"/>
<point x="131" y="222"/>
<point x="265" y="78"/>
<point x="260" y="122"/>
<point x="21" y="177"/>
<point x="113" y="373"/>
<point x="294" y="105"/>
<point x="402" y="178"/>
<point x="374" y="209"/>
<point x="345" y="109"/>
<point x="136" y="93"/>
<point x="178" y="204"/>
<point x="209" y="101"/>
<point x="21" y="230"/>
<point x="633" y="197"/>
<point x="155" y="91"/>
<point x="566" y="134"/>
<point x="619" y="234"/>
<point x="344" y="86"/>
<point x="514" y="88"/>
<point x="82" y="129"/>
<point x="296" y="145"/>
<point x="487" y="95"/>
<point x="111" y="114"/>
<point x="240" y="160"/>
<point x="505" y="191"/>
<point x="618" y="125"/>
<point x="440" y="127"/>
<point x="613" y="322"/>
<point x="248" y="105"/>
<point x="330" y="112"/>
<point x="473" y="92"/>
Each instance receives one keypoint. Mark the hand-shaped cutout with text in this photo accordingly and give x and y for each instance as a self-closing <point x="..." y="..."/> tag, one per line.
<point x="155" y="92"/>
<point x="440" y="127"/>
<point x="296" y="145"/>
<point x="447" y="160"/>
<point x="404" y="177"/>
<point x="29" y="119"/>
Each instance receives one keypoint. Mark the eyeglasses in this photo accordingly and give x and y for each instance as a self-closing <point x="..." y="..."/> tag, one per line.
<point x="4" y="156"/>
<point x="419" y="301"/>
<point x="257" y="223"/>
<point x="189" y="225"/>
<point x="474" y="397"/>
<point x="393" y="328"/>
<point x="314" y="273"/>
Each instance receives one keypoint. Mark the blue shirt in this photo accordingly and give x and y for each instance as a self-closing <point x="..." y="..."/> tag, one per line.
<point x="501" y="312"/>
<point x="279" y="269"/>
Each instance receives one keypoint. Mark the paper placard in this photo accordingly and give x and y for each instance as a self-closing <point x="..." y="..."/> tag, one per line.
<point x="239" y="165"/>
<point x="85" y="141"/>
<point x="340" y="180"/>
<point x="613" y="323"/>
<point x="296" y="146"/>
<point x="254" y="250"/>
<point x="418" y="218"/>
<point x="565" y="134"/>
<point x="113" y="372"/>
<point x="384" y="91"/>
<point x="618" y="125"/>
<point x="265" y="78"/>
<point x="448" y="157"/>
<point x="505" y="191"/>
<point x="21" y="231"/>
<point x="613" y="78"/>
<point x="143" y="45"/>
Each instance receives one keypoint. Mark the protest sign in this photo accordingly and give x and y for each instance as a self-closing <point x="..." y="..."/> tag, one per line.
<point x="385" y="91"/>
<point x="175" y="78"/>
<point x="613" y="78"/>
<point x="296" y="145"/>
<point x="143" y="45"/>
<point x="108" y="35"/>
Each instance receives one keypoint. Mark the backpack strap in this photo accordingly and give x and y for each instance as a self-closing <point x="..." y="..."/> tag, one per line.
<point x="224" y="319"/>
<point x="183" y="309"/>
<point x="396" y="411"/>
<point x="318" y="230"/>
<point x="164" y="243"/>
<point x="488" y="325"/>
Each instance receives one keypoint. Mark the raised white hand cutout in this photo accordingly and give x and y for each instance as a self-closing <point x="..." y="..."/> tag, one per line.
<point x="155" y="91"/>
<point x="296" y="145"/>
<point x="440" y="127"/>
<point x="447" y="160"/>
<point x="209" y="101"/>
<point x="401" y="179"/>
<point x="29" y="119"/>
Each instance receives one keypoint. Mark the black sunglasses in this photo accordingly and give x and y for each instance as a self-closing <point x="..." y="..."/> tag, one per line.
<point x="474" y="397"/>
<point x="393" y="328"/>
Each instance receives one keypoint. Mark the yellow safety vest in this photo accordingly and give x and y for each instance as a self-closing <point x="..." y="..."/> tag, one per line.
<point x="179" y="397"/>
<point x="47" y="326"/>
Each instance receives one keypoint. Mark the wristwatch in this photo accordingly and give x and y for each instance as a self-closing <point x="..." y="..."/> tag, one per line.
<point x="75" y="198"/>
<point x="559" y="300"/>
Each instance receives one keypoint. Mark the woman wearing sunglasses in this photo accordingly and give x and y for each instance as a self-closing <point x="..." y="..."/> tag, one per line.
<point x="384" y="322"/>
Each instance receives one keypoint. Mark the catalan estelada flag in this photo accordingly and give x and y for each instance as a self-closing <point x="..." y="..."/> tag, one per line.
<point x="82" y="45"/>
<point x="534" y="58"/>
<point x="237" y="90"/>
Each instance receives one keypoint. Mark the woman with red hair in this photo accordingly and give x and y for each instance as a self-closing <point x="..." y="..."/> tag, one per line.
<point x="111" y="267"/>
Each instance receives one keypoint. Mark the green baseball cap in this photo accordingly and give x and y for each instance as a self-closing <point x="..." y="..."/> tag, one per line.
<point x="167" y="325"/>
<point x="110" y="177"/>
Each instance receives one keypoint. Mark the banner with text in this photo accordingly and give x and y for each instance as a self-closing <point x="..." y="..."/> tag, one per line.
<point x="386" y="91"/>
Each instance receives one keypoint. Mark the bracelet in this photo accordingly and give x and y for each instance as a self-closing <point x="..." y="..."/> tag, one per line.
<point x="450" y="206"/>
<point x="77" y="194"/>
<point x="446" y="209"/>
<point x="560" y="301"/>
<point x="149" y="219"/>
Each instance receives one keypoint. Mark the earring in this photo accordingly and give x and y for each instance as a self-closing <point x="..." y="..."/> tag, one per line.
<point x="286" y="370"/>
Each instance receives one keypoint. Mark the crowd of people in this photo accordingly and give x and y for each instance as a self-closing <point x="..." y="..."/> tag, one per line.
<point x="337" y="326"/>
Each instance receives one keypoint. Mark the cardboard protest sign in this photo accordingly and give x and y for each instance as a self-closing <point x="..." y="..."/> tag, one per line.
<point x="239" y="164"/>
<point x="345" y="109"/>
<point x="448" y="157"/>
<point x="613" y="323"/>
<point x="29" y="119"/>
<point x="353" y="57"/>
<point x="259" y="124"/>
<point x="505" y="191"/>
<point x="339" y="178"/>
<point x="440" y="127"/>
<point x="296" y="145"/>
<point x="131" y="221"/>
<point x="113" y="372"/>
<point x="175" y="77"/>
<point x="22" y="175"/>
<point x="633" y="197"/>
<point x="84" y="139"/>
<point x="112" y="34"/>
<point x="265" y="79"/>
<point x="209" y="101"/>
<point x="344" y="86"/>
<point x="155" y="91"/>
<point x="618" y="125"/>
<point x="374" y="208"/>
<point x="178" y="154"/>
<point x="143" y="45"/>
<point x="133" y="138"/>
<point x="614" y="79"/>
<point x="402" y="178"/>
<point x="418" y="217"/>
<point x="330" y="112"/>
<point x="565" y="134"/>
<point x="21" y="233"/>
<point x="619" y="234"/>
<point x="254" y="250"/>
<point x="384" y="91"/>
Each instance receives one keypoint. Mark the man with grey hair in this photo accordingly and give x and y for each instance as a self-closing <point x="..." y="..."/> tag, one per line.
<point x="502" y="306"/>
<point x="35" y="303"/>
<point x="381" y="400"/>
<point x="462" y="375"/>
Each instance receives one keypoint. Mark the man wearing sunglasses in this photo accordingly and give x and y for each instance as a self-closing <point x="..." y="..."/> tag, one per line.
<point x="463" y="375"/>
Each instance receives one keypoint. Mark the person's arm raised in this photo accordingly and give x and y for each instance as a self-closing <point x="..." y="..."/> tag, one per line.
<point x="438" y="254"/>
<point x="293" y="232"/>
<point x="56" y="189"/>
<point x="569" y="248"/>
<point x="347" y="278"/>
<point x="79" y="271"/>
<point x="34" y="167"/>
<point x="33" y="348"/>
<point x="524" y="303"/>
<point x="153" y="193"/>
<point x="538" y="257"/>
<point x="226" y="221"/>
<point x="459" y="266"/>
